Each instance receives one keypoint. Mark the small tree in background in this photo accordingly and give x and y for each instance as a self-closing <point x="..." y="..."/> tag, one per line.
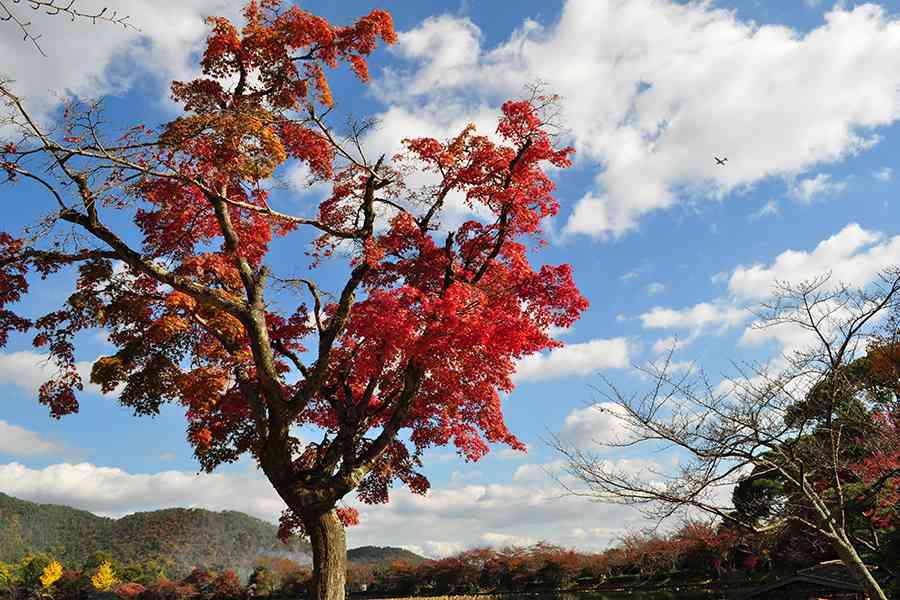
<point x="51" y="574"/>
<point x="814" y="445"/>
<point x="171" y="231"/>
<point x="105" y="578"/>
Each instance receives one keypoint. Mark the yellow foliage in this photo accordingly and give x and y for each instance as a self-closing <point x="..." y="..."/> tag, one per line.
<point x="51" y="574"/>
<point x="104" y="579"/>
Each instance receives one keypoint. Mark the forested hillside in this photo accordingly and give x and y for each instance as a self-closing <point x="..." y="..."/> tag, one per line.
<point x="383" y="555"/>
<point x="182" y="538"/>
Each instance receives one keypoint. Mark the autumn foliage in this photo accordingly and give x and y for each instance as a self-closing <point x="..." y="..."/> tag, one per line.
<point x="424" y="332"/>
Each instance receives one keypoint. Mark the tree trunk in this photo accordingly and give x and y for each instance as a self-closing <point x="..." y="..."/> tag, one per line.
<point x="329" y="546"/>
<point x="857" y="568"/>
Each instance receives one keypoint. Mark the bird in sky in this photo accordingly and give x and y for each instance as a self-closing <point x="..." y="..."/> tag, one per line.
<point x="721" y="161"/>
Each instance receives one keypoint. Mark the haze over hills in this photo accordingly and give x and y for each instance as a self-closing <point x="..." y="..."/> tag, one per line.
<point x="186" y="537"/>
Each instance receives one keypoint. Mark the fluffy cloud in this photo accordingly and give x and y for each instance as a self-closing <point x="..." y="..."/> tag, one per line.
<point x="593" y="425"/>
<point x="584" y="358"/>
<point x="537" y="472"/>
<point x="652" y="89"/>
<point x="18" y="441"/>
<point x="718" y="316"/>
<point x="447" y="520"/>
<point x="700" y="316"/>
<point x="29" y="370"/>
<point x="114" y="492"/>
<point x="853" y="256"/>
<point x="810" y="188"/>
<point x="95" y="60"/>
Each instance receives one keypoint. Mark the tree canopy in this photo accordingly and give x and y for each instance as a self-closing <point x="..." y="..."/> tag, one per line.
<point x="170" y="227"/>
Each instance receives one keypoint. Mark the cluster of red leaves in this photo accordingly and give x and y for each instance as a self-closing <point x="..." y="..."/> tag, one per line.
<point x="885" y="514"/>
<point x="129" y="590"/>
<point x="244" y="131"/>
<point x="453" y="316"/>
<point x="13" y="285"/>
<point x="463" y="312"/>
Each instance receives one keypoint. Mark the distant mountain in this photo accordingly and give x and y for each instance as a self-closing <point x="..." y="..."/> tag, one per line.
<point x="383" y="555"/>
<point x="187" y="537"/>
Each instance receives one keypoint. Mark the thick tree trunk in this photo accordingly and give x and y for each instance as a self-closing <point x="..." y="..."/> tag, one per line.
<point x="858" y="568"/>
<point x="329" y="546"/>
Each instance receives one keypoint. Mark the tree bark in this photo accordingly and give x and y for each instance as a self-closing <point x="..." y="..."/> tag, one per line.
<point x="858" y="568"/>
<point x="329" y="546"/>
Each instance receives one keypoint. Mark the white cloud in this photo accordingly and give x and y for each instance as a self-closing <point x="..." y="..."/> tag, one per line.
<point x="770" y="208"/>
<point x="670" y="343"/>
<point x="652" y="89"/>
<point x="433" y="549"/>
<point x="29" y="370"/>
<point x="700" y="316"/>
<point x="586" y="358"/>
<point x="558" y="332"/>
<point x="458" y="477"/>
<point x="594" y="425"/>
<point x="655" y="288"/>
<point x="505" y="453"/>
<point x="883" y="174"/>
<point x="503" y="540"/>
<point x="537" y="472"/>
<point x="300" y="178"/>
<point x="476" y="515"/>
<point x="18" y="441"/>
<point x="449" y="518"/>
<point x="444" y="49"/>
<point x="95" y="60"/>
<point x="112" y="491"/>
<point x="806" y="190"/>
<point x="853" y="256"/>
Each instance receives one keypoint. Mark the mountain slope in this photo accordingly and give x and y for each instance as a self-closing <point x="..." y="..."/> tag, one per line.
<point x="186" y="536"/>
<point x="383" y="555"/>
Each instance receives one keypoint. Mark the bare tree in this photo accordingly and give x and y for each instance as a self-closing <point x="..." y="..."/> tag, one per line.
<point x="804" y="424"/>
<point x="12" y="11"/>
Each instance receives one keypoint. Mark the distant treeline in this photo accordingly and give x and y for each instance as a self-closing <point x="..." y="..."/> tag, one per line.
<point x="697" y="554"/>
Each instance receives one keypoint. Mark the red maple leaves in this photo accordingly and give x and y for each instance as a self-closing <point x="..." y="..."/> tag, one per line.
<point x="413" y="349"/>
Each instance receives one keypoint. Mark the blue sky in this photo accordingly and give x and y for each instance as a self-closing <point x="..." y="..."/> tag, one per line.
<point x="801" y="96"/>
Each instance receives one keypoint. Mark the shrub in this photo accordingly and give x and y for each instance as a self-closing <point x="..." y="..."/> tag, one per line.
<point x="129" y="591"/>
<point x="31" y="568"/>
<point x="166" y="589"/>
<point x="226" y="586"/>
<point x="51" y="574"/>
<point x="73" y="585"/>
<point x="104" y="579"/>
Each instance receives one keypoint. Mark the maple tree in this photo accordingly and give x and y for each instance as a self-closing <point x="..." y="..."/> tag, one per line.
<point x="104" y="578"/>
<point x="51" y="574"/>
<point x="420" y="339"/>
